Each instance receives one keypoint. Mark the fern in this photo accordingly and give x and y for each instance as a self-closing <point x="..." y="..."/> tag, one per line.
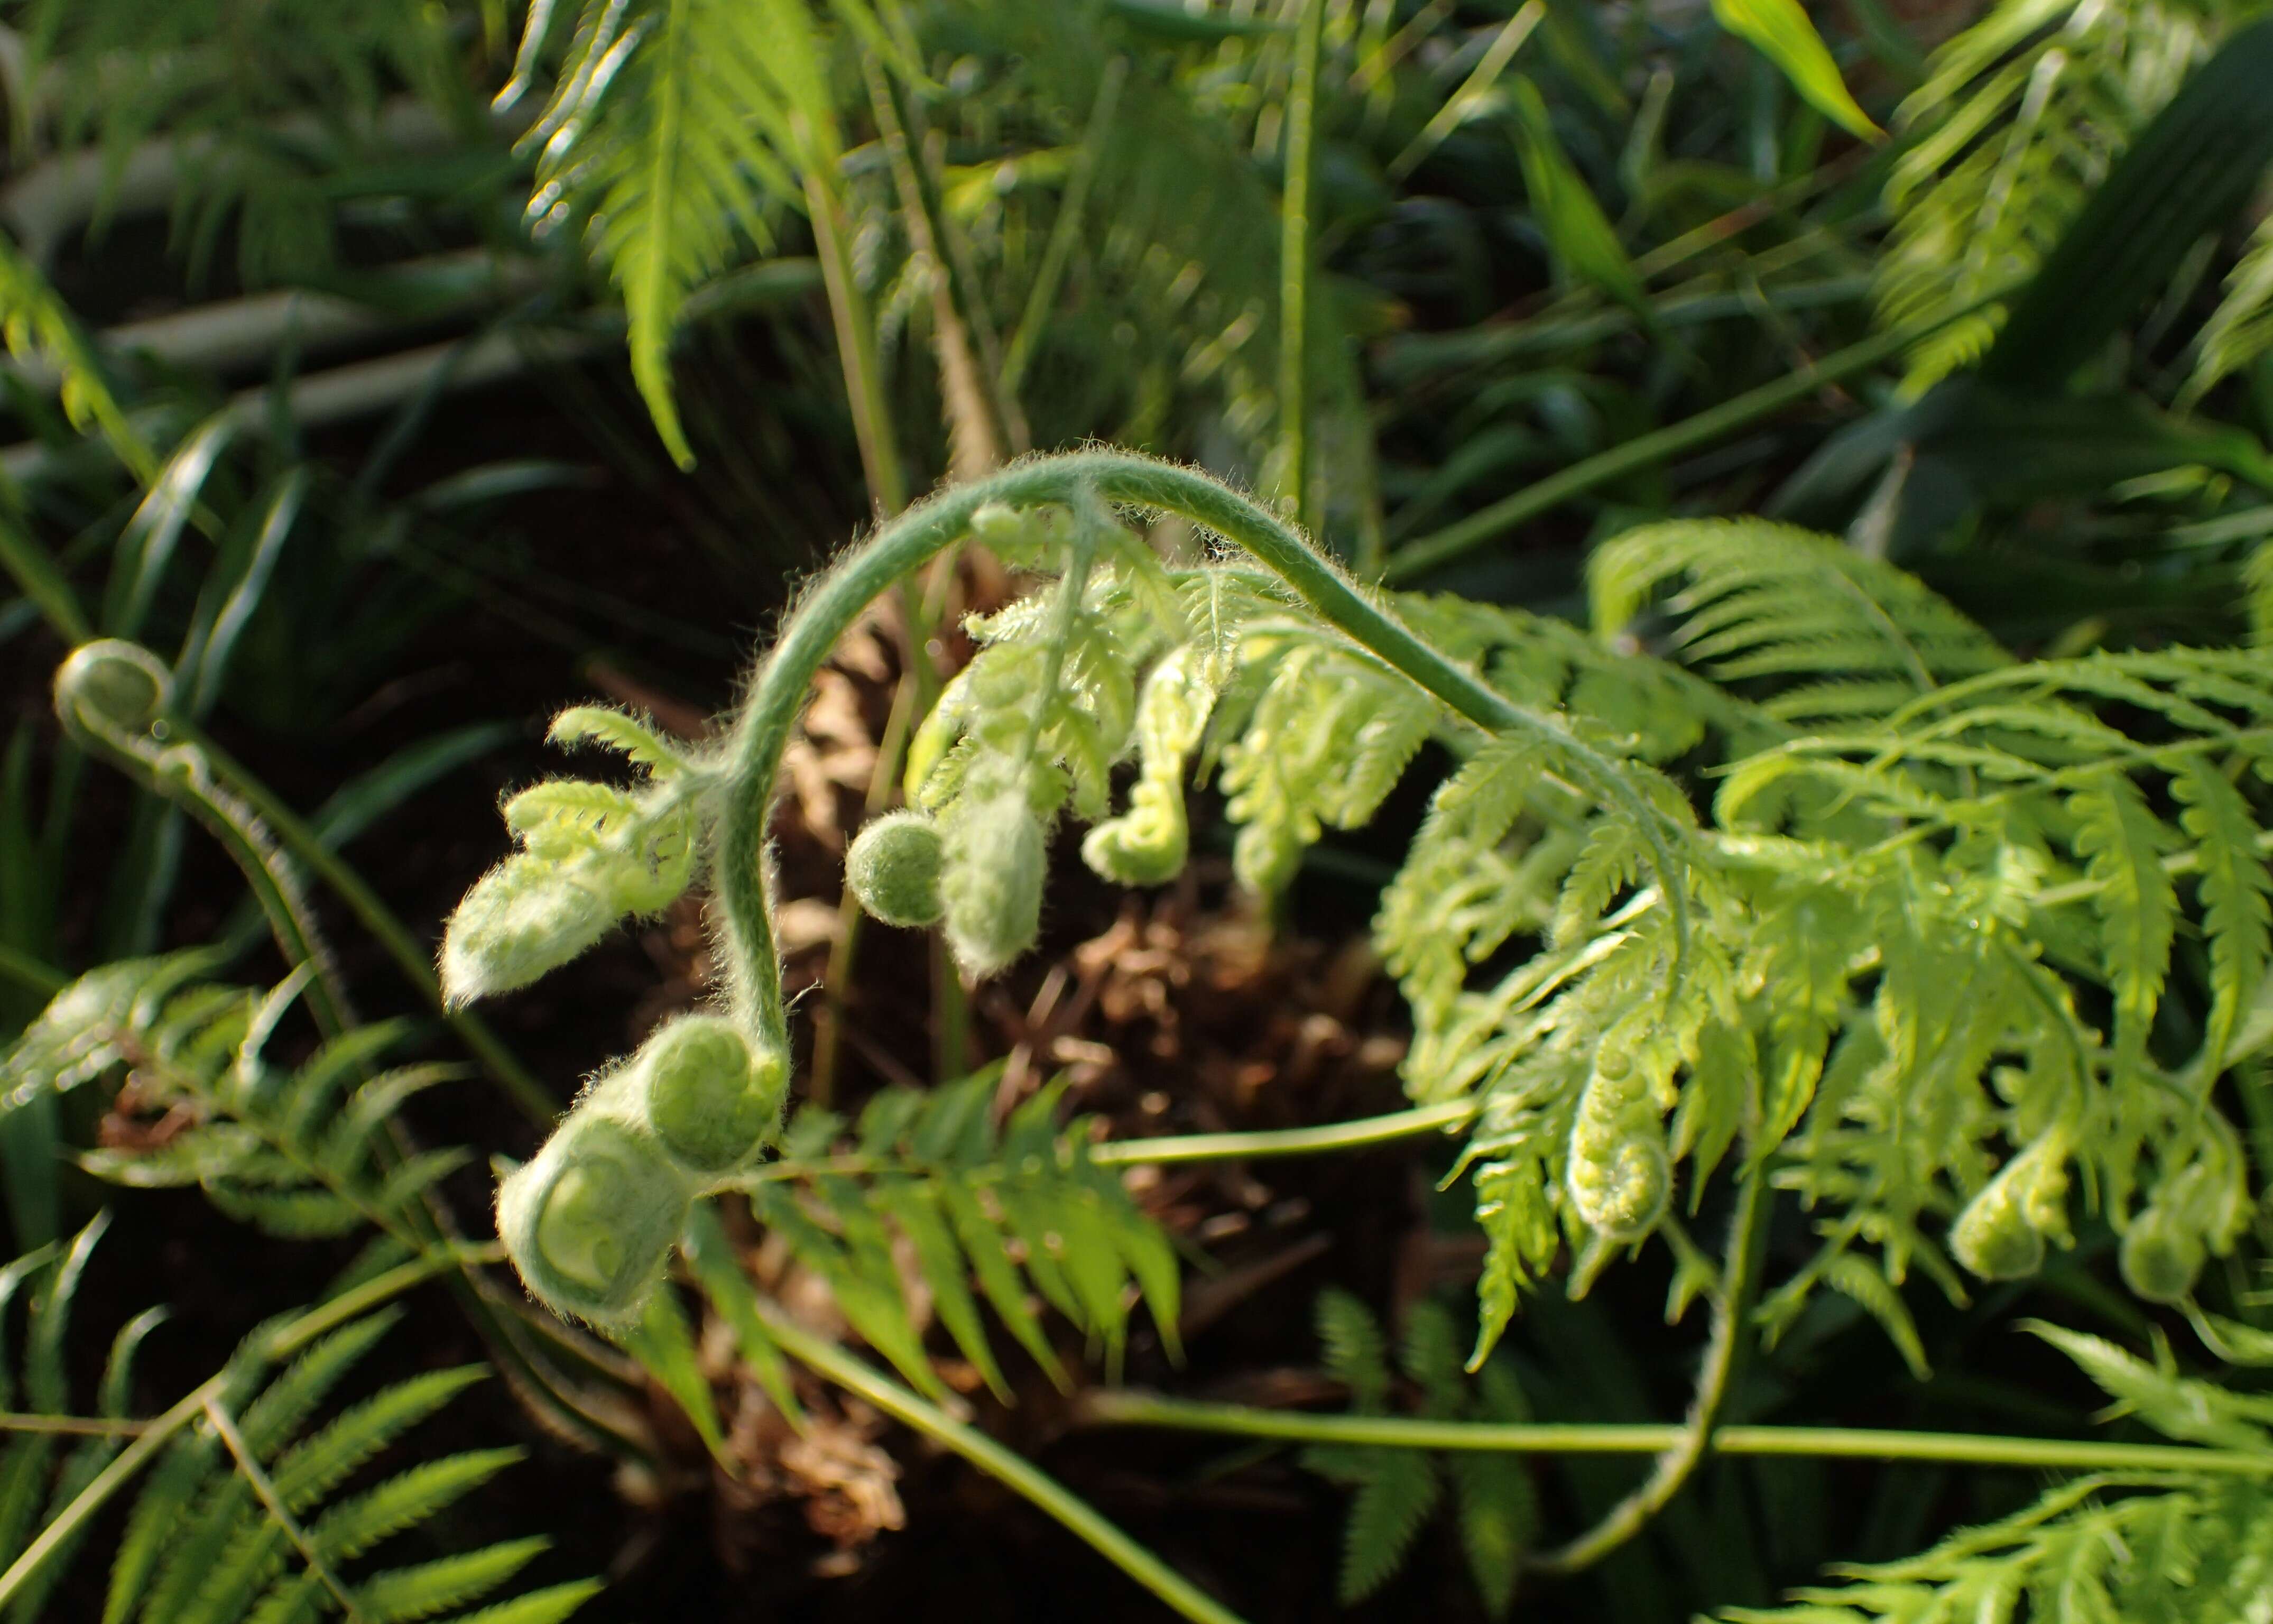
<point x="2021" y="117"/>
<point x="1394" y="1491"/>
<point x="242" y="1515"/>
<point x="2172" y="1547"/>
<point x="39" y="327"/>
<point x="264" y="104"/>
<point x="676" y="129"/>
<point x="301" y="1152"/>
<point x="1836" y="633"/>
<point x="1017" y="1210"/>
<point x="2240" y="329"/>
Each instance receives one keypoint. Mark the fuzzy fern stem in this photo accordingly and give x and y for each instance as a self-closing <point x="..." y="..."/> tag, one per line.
<point x="752" y="758"/>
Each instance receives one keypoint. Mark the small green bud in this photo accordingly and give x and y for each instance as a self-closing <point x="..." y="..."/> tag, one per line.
<point x="992" y="884"/>
<point x="712" y="1097"/>
<point x="113" y="686"/>
<point x="524" y="918"/>
<point x="1620" y="1174"/>
<point x="590" y="1220"/>
<point x="894" y="869"/>
<point x="1993" y="1238"/>
<point x="2000" y="1234"/>
<point x="2161" y="1257"/>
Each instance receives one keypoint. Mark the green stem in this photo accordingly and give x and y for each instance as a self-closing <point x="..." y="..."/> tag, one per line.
<point x="856" y="345"/>
<point x="753" y="754"/>
<point x="1294" y="264"/>
<point x="855" y="1376"/>
<point x="1107" y="1407"/>
<point x="1285" y="1141"/>
<point x="410" y="955"/>
<point x="1431" y="551"/>
<point x="1680" y="1460"/>
<point x="65" y="1525"/>
<point x="1065" y="230"/>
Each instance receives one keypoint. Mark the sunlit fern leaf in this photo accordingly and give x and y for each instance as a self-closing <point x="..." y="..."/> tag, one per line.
<point x="1327" y="739"/>
<point x="1010" y="1211"/>
<point x="2021" y="119"/>
<point x="676" y="126"/>
<point x="2234" y="884"/>
<point x="2122" y="842"/>
<point x="1841" y="635"/>
<point x="199" y="1546"/>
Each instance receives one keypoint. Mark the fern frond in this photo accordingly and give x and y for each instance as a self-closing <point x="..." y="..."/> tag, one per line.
<point x="2240" y="329"/>
<point x="2182" y="1547"/>
<point x="1839" y="633"/>
<point x="200" y="1546"/>
<point x="677" y="125"/>
<point x="1397" y="1490"/>
<point x="1015" y="1209"/>
<point x="2021" y="118"/>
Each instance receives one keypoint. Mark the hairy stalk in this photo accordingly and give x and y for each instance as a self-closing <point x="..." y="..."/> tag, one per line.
<point x="826" y="1359"/>
<point x="64" y="1526"/>
<point x="1432" y="551"/>
<point x="752" y="755"/>
<point x="1731" y="1307"/>
<point x="1295" y="266"/>
<point x="1125" y="1407"/>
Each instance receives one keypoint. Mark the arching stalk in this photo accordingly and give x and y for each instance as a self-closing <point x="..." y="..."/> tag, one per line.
<point x="753" y="761"/>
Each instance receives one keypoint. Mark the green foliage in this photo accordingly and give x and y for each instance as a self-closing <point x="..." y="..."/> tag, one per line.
<point x="254" y="1509"/>
<point x="302" y="1153"/>
<point x="274" y="110"/>
<point x="1017" y="1209"/>
<point x="2167" y="1548"/>
<point x="674" y="128"/>
<point x="590" y="854"/>
<point x="1394" y="1491"/>
<point x="2022" y="117"/>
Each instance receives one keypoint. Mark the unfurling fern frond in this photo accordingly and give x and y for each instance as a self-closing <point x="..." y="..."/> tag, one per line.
<point x="2172" y="1547"/>
<point x="1394" y="1491"/>
<point x="1015" y="1210"/>
<point x="591" y="854"/>
<point x="250" y="1509"/>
